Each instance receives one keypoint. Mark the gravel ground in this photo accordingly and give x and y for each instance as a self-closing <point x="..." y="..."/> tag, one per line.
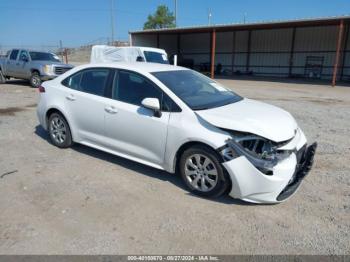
<point x="83" y="201"/>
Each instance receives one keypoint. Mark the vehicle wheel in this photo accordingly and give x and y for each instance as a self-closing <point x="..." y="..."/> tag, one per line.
<point x="202" y="172"/>
<point x="59" y="131"/>
<point x="35" y="80"/>
<point x="2" y="78"/>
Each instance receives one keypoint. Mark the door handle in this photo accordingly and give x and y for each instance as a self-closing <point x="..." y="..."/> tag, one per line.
<point x="8" y="62"/>
<point x="111" y="109"/>
<point x="70" y="97"/>
<point x="17" y="63"/>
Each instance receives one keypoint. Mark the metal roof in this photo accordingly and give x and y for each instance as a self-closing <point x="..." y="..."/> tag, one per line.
<point x="333" y="20"/>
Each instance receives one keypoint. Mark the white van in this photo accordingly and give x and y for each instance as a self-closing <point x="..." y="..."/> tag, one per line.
<point x="105" y="54"/>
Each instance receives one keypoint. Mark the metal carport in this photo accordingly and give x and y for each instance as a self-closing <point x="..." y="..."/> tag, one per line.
<point x="313" y="48"/>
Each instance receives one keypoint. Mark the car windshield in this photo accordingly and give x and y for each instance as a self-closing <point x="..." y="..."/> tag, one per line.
<point x="155" y="57"/>
<point x="42" y="56"/>
<point x="196" y="90"/>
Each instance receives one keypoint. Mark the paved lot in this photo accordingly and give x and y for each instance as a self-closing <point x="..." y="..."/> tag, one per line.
<point x="83" y="201"/>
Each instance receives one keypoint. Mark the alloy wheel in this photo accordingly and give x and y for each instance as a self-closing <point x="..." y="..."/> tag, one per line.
<point x="58" y="130"/>
<point x="201" y="172"/>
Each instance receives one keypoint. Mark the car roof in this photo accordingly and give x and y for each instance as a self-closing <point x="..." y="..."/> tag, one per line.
<point x="136" y="66"/>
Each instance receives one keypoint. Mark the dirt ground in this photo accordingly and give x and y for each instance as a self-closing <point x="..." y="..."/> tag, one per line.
<point x="83" y="201"/>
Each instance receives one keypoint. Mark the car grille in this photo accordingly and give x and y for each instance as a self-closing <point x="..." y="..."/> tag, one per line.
<point x="61" y="70"/>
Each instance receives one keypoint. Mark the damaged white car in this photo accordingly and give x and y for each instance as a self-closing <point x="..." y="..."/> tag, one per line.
<point x="178" y="120"/>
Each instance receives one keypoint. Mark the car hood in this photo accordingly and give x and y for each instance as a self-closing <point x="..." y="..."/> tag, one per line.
<point x="253" y="117"/>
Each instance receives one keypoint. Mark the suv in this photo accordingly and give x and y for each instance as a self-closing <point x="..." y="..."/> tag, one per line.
<point x="31" y="65"/>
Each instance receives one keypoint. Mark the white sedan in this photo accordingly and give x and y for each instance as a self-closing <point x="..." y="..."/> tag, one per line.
<point x="178" y="120"/>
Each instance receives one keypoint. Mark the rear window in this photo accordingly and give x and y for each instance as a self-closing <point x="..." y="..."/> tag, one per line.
<point x="155" y="57"/>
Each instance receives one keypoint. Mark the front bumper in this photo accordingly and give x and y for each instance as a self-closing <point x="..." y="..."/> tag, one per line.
<point x="47" y="77"/>
<point x="303" y="168"/>
<point x="251" y="185"/>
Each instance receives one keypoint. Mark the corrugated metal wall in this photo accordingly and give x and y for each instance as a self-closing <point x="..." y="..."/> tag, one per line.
<point x="145" y="40"/>
<point x="318" y="42"/>
<point x="195" y="46"/>
<point x="168" y="42"/>
<point x="346" y="58"/>
<point x="268" y="52"/>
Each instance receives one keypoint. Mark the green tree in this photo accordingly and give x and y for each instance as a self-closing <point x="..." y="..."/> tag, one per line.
<point x="162" y="18"/>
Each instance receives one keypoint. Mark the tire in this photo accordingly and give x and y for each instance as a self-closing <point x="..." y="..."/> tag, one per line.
<point x="2" y="78"/>
<point x="35" y="80"/>
<point x="59" y="131"/>
<point x="206" y="178"/>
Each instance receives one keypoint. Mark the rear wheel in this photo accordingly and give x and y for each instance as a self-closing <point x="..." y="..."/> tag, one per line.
<point x="202" y="171"/>
<point x="35" y="80"/>
<point x="2" y="78"/>
<point x="59" y="131"/>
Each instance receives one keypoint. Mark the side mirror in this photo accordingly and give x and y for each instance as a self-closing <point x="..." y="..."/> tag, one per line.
<point x="153" y="104"/>
<point x="25" y="59"/>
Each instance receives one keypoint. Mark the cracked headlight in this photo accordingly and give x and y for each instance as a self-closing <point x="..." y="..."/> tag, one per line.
<point x="261" y="152"/>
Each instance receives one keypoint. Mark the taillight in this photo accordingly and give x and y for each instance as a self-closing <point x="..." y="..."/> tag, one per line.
<point x="41" y="89"/>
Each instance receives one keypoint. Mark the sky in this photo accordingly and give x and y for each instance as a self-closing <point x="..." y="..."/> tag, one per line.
<point x="37" y="23"/>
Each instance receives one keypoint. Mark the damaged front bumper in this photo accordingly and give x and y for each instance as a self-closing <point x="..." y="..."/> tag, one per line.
<point x="302" y="169"/>
<point x="251" y="184"/>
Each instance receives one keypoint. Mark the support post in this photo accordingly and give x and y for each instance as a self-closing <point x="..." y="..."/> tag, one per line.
<point x="233" y="51"/>
<point x="157" y="40"/>
<point x="249" y="49"/>
<point x="337" y="54"/>
<point x="66" y="55"/>
<point x="291" y="57"/>
<point x="346" y="36"/>
<point x="130" y="40"/>
<point x="212" y="60"/>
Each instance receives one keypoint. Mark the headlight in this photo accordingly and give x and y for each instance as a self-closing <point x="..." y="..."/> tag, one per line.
<point x="261" y="152"/>
<point x="47" y="69"/>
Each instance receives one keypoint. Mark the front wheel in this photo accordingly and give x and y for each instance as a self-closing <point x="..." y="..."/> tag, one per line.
<point x="35" y="80"/>
<point x="59" y="131"/>
<point x="202" y="172"/>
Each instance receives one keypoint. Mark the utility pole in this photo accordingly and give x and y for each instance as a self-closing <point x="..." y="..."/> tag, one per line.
<point x="175" y="13"/>
<point x="112" y="21"/>
<point x="209" y="16"/>
<point x="244" y="17"/>
<point x="61" y="49"/>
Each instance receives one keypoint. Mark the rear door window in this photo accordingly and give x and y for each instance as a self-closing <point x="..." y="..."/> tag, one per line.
<point x="14" y="54"/>
<point x="92" y="81"/>
<point x="73" y="81"/>
<point x="23" y="55"/>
